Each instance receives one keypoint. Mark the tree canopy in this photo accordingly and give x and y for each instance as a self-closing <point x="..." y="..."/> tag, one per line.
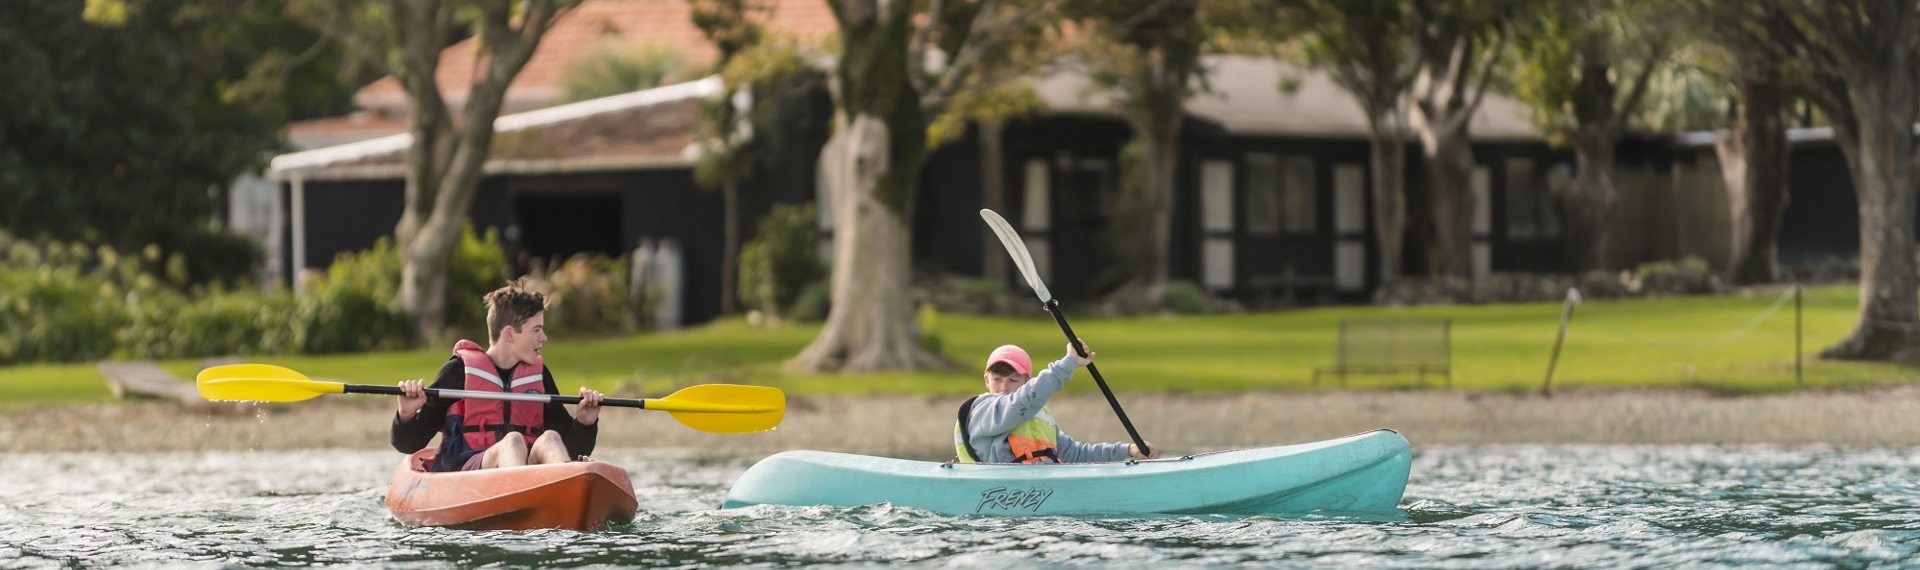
<point x="126" y="128"/>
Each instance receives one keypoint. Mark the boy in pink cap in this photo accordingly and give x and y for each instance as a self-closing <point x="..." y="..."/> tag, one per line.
<point x="1011" y="424"/>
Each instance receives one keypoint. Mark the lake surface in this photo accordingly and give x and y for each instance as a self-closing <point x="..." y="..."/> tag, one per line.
<point x="1492" y="507"/>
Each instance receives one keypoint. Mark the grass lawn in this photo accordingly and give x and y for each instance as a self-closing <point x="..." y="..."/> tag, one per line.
<point x="1741" y="343"/>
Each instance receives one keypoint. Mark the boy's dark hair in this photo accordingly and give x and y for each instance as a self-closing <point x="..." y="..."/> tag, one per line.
<point x="511" y="306"/>
<point x="1001" y="368"/>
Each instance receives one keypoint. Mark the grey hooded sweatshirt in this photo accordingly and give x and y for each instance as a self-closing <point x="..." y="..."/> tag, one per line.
<point x="995" y="415"/>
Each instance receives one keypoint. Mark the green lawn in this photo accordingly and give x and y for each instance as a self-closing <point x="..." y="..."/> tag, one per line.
<point x="1727" y="342"/>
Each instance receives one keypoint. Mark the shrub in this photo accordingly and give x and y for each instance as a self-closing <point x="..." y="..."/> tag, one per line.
<point x="220" y="257"/>
<point x="343" y="319"/>
<point x="928" y="321"/>
<point x="1184" y="297"/>
<point x="587" y="295"/>
<point x="814" y="303"/>
<point x="478" y="267"/>
<point x="57" y="314"/>
<point x="213" y="324"/>
<point x="781" y="261"/>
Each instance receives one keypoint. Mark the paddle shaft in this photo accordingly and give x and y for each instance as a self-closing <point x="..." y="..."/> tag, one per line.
<point x="1053" y="306"/>
<point x="454" y="394"/>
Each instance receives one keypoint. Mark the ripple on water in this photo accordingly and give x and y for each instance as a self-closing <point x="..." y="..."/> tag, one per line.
<point x="1506" y="507"/>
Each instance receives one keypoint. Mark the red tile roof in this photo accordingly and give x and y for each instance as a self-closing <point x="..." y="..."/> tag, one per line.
<point x="653" y="128"/>
<point x="598" y="24"/>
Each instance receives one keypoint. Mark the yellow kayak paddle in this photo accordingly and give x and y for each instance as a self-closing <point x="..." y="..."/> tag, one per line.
<point x="713" y="408"/>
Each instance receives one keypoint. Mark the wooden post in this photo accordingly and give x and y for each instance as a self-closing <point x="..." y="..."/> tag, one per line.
<point x="1566" y="315"/>
<point x="1799" y="375"/>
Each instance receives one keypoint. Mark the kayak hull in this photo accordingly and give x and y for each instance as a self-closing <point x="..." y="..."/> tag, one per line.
<point x="584" y="496"/>
<point x="1364" y="473"/>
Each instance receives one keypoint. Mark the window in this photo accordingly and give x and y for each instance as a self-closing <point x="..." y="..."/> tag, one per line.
<point x="1035" y="213"/>
<point x="1523" y="200"/>
<point x="1216" y="207"/>
<point x="1532" y="210"/>
<point x="1298" y="195"/>
<point x="1558" y="177"/>
<point x="1280" y="194"/>
<point x="1216" y="196"/>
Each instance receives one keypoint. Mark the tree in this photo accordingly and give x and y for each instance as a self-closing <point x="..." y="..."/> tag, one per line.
<point x="126" y="122"/>
<point x="1459" y="42"/>
<point x="1572" y="58"/>
<point x="1148" y="53"/>
<point x="1863" y="63"/>
<point x="739" y="127"/>
<point x="445" y="157"/>
<point x="1365" y="46"/>
<point x="1753" y="153"/>
<point x="903" y="80"/>
<point x="724" y="160"/>
<point x="610" y="71"/>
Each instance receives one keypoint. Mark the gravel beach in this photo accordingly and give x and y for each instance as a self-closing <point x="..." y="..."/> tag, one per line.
<point x="921" y="427"/>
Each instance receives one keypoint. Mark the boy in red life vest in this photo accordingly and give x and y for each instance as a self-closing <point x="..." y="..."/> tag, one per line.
<point x="484" y="434"/>
<point x="1011" y="424"/>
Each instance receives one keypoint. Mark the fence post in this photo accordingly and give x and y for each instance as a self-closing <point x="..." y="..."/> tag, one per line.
<point x="1799" y="375"/>
<point x="1566" y="315"/>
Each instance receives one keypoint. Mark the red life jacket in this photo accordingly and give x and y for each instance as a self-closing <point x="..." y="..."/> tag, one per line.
<point x="483" y="422"/>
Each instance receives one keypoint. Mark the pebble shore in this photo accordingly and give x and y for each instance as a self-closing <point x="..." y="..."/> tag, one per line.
<point x="921" y="427"/>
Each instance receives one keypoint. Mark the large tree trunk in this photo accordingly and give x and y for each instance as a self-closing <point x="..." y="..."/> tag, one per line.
<point x="1879" y="147"/>
<point x="1590" y="202"/>
<point x="730" y="250"/>
<point x="1453" y="76"/>
<point x="993" y="178"/>
<point x="1448" y="149"/>
<point x="1144" y="212"/>
<point x="444" y="163"/>
<point x="872" y="165"/>
<point x="871" y="326"/>
<point x="1388" y="154"/>
<point x="1753" y="162"/>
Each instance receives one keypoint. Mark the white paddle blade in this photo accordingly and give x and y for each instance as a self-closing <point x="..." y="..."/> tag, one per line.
<point x="1018" y="250"/>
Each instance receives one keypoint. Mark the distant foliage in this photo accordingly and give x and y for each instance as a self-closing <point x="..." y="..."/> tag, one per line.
<point x="782" y="261"/>
<point x="348" y="320"/>
<point x="588" y="295"/>
<point x="1184" y="297"/>
<point x="479" y="267"/>
<point x="814" y="302"/>
<point x="57" y="314"/>
<point x="65" y="302"/>
<point x="126" y="120"/>
<point x="613" y="70"/>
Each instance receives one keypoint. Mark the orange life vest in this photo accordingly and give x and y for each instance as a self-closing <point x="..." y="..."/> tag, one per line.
<point x="483" y="422"/>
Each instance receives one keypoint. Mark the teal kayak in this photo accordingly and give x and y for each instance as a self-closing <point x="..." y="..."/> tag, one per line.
<point x="1365" y="473"/>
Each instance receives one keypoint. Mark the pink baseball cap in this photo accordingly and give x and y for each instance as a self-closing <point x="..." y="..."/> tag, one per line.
<point x="1013" y="356"/>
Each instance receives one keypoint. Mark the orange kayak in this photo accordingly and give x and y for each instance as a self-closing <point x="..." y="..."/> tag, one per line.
<point x="584" y="495"/>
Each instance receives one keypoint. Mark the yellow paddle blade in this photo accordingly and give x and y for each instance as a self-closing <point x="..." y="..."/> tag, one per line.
<point x="725" y="408"/>
<point x="260" y="383"/>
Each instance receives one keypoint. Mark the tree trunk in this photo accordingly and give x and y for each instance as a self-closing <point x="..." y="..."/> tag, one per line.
<point x="872" y="165"/>
<point x="1590" y="201"/>
<point x="1753" y="162"/>
<point x="871" y="326"/>
<point x="730" y="250"/>
<point x="1388" y="154"/>
<point x="1448" y="149"/>
<point x="1879" y="145"/>
<point x="1144" y="212"/>
<point x="444" y="163"/>
<point x="993" y="177"/>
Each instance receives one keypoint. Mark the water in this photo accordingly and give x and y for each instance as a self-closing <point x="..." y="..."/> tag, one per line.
<point x="1499" y="507"/>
